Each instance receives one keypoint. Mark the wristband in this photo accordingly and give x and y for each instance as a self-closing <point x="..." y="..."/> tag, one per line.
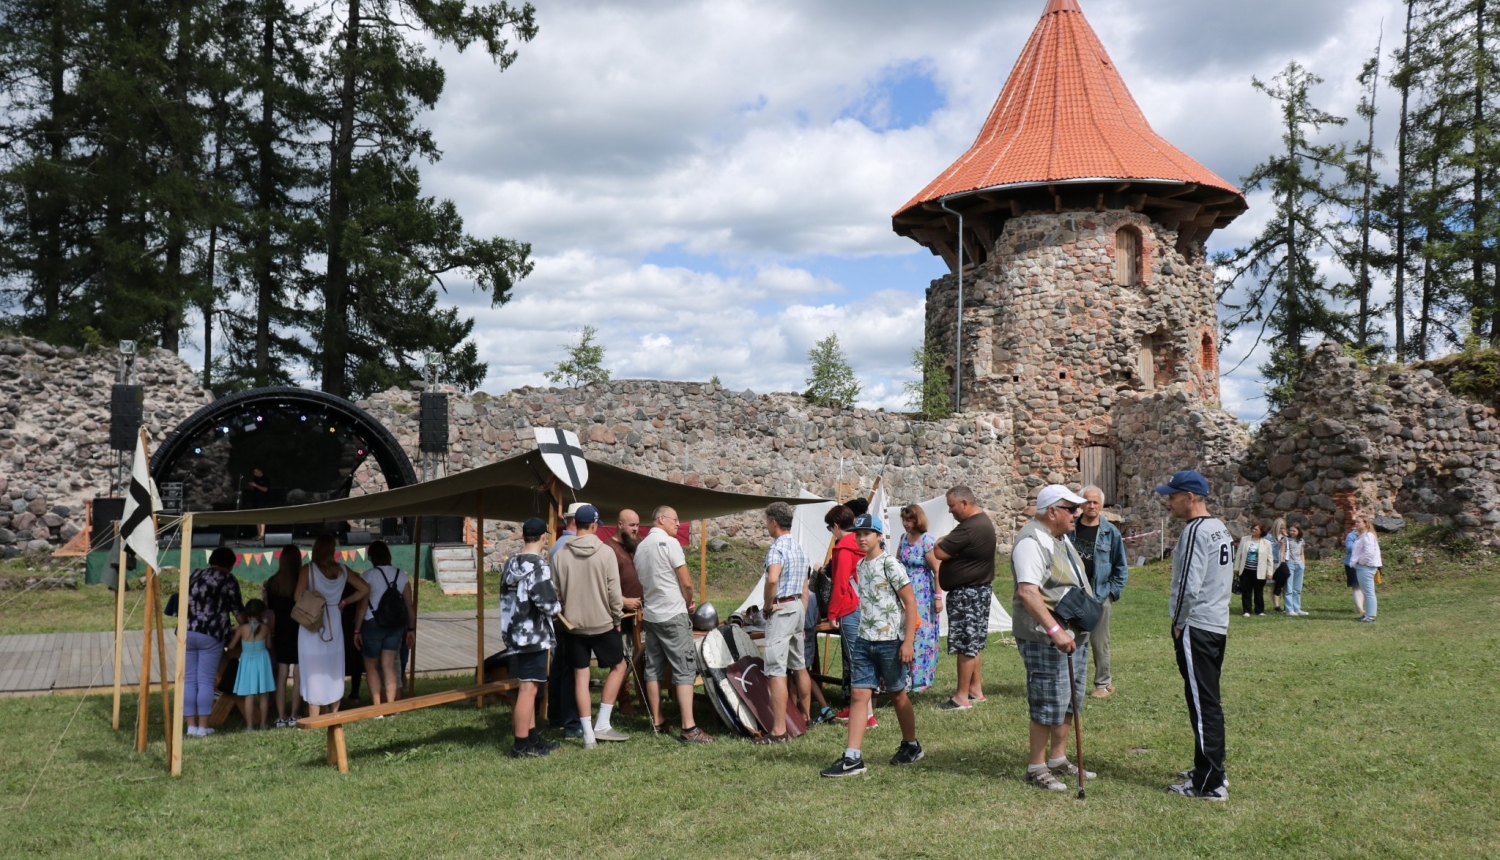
<point x="1053" y="629"/>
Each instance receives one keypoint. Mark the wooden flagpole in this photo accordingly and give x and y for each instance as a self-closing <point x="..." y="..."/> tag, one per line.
<point x="479" y="595"/>
<point x="184" y="568"/>
<point x="416" y="597"/>
<point x="119" y="624"/>
<point x="143" y="702"/>
<point x="161" y="650"/>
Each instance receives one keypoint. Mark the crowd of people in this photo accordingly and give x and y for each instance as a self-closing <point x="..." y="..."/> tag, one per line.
<point x="573" y="606"/>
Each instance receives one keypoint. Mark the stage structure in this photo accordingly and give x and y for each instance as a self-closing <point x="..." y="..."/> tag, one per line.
<point x="308" y="444"/>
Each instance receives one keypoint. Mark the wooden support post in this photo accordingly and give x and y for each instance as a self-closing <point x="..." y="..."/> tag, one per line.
<point x="143" y="705"/>
<point x="479" y="596"/>
<point x="703" y="561"/>
<point x="119" y="625"/>
<point x="340" y="750"/>
<point x="161" y="660"/>
<point x="184" y="567"/>
<point x="416" y="597"/>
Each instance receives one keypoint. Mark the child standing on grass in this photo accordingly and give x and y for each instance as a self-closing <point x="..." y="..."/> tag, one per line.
<point x="528" y="603"/>
<point x="255" y="680"/>
<point x="883" y="649"/>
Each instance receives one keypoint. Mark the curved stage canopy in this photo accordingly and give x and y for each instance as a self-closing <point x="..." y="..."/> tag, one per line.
<point x="309" y="444"/>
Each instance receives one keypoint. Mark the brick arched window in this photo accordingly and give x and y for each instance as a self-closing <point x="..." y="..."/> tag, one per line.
<point x="1208" y="359"/>
<point x="1128" y="257"/>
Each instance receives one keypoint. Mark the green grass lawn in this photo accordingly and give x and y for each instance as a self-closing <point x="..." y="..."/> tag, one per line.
<point x="1345" y="740"/>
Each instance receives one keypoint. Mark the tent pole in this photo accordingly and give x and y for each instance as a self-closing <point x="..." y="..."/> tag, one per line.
<point x="143" y="707"/>
<point x="161" y="659"/>
<point x="703" y="561"/>
<point x="184" y="567"/>
<point x="479" y="595"/>
<point x="119" y="624"/>
<point x="416" y="597"/>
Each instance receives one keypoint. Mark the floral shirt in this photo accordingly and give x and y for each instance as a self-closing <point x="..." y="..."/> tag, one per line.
<point x="881" y="615"/>
<point x="212" y="595"/>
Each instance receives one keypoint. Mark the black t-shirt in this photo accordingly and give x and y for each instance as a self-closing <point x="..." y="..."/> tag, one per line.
<point x="971" y="553"/>
<point x="1083" y="541"/>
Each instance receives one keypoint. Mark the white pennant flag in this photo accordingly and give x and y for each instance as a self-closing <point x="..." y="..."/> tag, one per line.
<point x="137" y="524"/>
<point x="878" y="509"/>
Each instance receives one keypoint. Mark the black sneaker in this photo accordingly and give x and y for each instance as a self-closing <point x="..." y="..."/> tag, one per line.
<point x="910" y="752"/>
<point x="845" y="766"/>
<point x="539" y="740"/>
<point x="529" y="748"/>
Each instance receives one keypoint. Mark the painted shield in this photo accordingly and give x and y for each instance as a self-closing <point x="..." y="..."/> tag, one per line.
<point x="716" y="652"/>
<point x="563" y="455"/>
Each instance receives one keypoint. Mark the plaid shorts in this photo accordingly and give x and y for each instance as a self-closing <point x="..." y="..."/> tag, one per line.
<point x="968" y="618"/>
<point x="1047" y="679"/>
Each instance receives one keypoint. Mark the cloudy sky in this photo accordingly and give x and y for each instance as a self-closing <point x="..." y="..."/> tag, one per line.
<point x="711" y="183"/>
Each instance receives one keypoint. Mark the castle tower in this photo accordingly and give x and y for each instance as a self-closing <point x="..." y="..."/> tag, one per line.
<point x="1085" y="282"/>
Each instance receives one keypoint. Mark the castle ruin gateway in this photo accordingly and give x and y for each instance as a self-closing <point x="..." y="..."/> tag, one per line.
<point x="1089" y="309"/>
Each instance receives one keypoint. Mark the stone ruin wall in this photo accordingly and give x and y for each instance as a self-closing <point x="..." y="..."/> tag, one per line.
<point x="54" y="432"/>
<point x="1397" y="443"/>
<point x="1390" y="442"/>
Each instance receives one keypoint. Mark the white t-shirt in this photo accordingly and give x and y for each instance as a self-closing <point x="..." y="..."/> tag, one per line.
<point x="656" y="561"/>
<point x="373" y="578"/>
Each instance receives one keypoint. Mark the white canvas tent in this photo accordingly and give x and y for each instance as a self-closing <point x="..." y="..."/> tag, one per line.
<point x="809" y="530"/>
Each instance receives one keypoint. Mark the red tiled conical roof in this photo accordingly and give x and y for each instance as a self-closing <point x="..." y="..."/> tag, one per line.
<point x="1065" y="114"/>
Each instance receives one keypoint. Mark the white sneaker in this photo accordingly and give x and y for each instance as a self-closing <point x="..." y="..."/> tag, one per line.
<point x="1188" y="775"/>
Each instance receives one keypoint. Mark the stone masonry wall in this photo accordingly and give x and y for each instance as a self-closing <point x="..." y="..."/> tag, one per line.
<point x="54" y="432"/>
<point x="1387" y="442"/>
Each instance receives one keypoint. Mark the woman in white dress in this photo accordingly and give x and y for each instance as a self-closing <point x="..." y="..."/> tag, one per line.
<point x="321" y="655"/>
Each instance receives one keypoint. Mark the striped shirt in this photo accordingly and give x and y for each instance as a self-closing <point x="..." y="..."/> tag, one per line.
<point x="792" y="580"/>
<point x="1202" y="573"/>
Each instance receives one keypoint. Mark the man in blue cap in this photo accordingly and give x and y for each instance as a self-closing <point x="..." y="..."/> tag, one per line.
<point x="1202" y="571"/>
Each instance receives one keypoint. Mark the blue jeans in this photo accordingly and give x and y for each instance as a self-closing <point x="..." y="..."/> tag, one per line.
<point x="1294" y="586"/>
<point x="848" y="632"/>
<point x="1367" y="585"/>
<point x="198" y="671"/>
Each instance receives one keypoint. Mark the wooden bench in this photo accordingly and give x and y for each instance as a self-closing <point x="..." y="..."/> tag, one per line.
<point x="337" y="751"/>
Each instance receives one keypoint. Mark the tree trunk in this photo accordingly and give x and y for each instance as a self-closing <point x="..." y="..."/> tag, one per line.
<point x="1399" y="297"/>
<point x="335" y="334"/>
<point x="1363" y="334"/>
<point x="51" y="265"/>
<point x="1481" y="65"/>
<point x="265" y="285"/>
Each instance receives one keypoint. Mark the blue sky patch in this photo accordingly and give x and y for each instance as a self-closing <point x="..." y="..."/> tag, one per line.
<point x="903" y="96"/>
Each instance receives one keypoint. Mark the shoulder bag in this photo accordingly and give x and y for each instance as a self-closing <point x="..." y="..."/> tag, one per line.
<point x="310" y="607"/>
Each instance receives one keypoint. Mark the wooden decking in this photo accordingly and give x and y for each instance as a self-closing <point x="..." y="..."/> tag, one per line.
<point x="53" y="662"/>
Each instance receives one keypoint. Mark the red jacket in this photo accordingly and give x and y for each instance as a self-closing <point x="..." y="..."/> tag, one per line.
<point x="846" y="556"/>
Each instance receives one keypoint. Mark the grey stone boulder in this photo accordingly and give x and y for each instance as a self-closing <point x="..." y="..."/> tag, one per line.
<point x="1388" y="525"/>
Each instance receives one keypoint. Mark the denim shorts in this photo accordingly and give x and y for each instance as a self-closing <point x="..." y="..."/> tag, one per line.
<point x="876" y="664"/>
<point x="376" y="639"/>
<point x="529" y="666"/>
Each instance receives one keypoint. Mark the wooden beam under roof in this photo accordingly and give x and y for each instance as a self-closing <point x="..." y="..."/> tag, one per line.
<point x="1188" y="188"/>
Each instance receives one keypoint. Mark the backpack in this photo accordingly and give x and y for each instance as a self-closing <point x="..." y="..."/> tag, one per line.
<point x="390" y="613"/>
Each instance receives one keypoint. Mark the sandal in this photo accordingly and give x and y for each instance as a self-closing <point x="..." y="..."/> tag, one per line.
<point x="767" y="740"/>
<point x="695" y="735"/>
<point x="660" y="729"/>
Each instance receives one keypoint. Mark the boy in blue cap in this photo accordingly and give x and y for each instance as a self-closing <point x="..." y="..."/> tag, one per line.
<point x="882" y="650"/>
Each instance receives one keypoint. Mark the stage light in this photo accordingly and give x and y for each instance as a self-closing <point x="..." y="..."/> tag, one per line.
<point x="360" y="451"/>
<point x="197" y="450"/>
<point x="333" y="429"/>
<point x="259" y="418"/>
<point x="302" y="418"/>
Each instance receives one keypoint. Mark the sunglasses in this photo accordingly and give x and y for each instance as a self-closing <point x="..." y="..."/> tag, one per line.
<point x="1072" y="510"/>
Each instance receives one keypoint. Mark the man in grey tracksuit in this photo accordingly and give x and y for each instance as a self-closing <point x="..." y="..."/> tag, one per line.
<point x="1202" y="570"/>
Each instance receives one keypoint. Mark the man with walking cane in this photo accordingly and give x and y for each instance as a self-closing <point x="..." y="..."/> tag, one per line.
<point x="1046" y="568"/>
<point x="1202" y="572"/>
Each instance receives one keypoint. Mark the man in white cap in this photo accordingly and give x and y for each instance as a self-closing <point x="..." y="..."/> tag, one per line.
<point x="1046" y="567"/>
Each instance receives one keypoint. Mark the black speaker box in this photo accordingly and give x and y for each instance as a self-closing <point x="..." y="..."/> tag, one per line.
<point x="443" y="529"/>
<point x="207" y="540"/>
<point x="125" y="402"/>
<point x="433" y="435"/>
<point x="106" y="511"/>
<point x="358" y="539"/>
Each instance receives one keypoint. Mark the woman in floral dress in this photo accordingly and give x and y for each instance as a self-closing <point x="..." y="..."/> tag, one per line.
<point x="921" y="565"/>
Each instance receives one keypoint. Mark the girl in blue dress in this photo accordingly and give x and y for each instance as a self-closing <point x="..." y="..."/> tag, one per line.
<point x="254" y="681"/>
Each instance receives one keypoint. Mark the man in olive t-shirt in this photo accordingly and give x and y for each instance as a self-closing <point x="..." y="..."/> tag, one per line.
<point x="967" y="573"/>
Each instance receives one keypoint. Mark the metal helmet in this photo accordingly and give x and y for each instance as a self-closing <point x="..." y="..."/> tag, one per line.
<point x="705" y="617"/>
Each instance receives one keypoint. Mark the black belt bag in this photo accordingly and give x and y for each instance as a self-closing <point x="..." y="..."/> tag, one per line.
<point x="1078" y="610"/>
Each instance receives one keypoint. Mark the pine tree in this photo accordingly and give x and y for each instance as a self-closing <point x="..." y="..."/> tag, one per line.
<point x="584" y="364"/>
<point x="1361" y="257"/>
<point x="830" y="380"/>
<point x="1289" y="296"/>
<point x="385" y="242"/>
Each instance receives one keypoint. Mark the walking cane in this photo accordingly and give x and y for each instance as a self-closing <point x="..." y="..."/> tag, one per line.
<point x="1077" y="724"/>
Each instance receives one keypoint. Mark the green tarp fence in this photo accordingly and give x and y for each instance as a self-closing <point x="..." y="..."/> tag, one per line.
<point x="258" y="563"/>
